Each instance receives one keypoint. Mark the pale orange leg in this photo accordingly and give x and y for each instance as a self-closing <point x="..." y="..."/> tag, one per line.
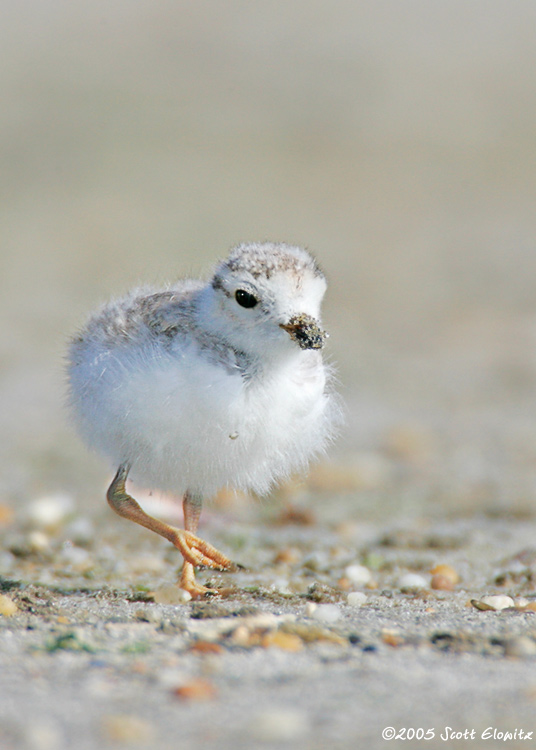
<point x="191" y="506"/>
<point x="194" y="550"/>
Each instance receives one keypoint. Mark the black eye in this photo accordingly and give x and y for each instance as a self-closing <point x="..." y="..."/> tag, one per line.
<point x="245" y="299"/>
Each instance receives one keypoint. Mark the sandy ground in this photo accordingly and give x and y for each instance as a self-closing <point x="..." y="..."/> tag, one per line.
<point x="95" y="656"/>
<point x="138" y="142"/>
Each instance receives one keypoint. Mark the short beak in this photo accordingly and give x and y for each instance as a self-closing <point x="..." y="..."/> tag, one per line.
<point x="305" y="331"/>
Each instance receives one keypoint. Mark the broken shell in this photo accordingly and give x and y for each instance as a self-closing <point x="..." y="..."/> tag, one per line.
<point x="494" y="602"/>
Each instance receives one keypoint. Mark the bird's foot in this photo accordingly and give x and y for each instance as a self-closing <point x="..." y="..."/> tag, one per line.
<point x="198" y="552"/>
<point x="188" y="583"/>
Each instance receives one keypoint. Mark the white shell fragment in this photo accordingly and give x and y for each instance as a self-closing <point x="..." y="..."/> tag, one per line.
<point x="358" y="574"/>
<point x="326" y="613"/>
<point x="171" y="594"/>
<point x="494" y="602"/>
<point x="356" y="599"/>
<point x="412" y="582"/>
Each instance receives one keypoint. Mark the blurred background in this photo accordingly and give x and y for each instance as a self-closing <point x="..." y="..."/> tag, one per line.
<point x="397" y="141"/>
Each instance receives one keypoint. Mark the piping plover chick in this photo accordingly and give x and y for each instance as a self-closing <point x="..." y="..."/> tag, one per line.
<point x="205" y="385"/>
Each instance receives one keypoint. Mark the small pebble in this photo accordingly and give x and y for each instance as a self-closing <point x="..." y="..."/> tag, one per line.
<point x="282" y="640"/>
<point x="8" y="608"/>
<point x="287" y="556"/>
<point x="38" y="541"/>
<point x="446" y="571"/>
<point x="51" y="511"/>
<point x="412" y="582"/>
<point x="356" y="599"/>
<point x="441" y="583"/>
<point x="242" y="636"/>
<point x="197" y="689"/>
<point x="171" y="594"/>
<point x="326" y="613"/>
<point x="392" y="637"/>
<point x="520" y="646"/>
<point x="358" y="574"/>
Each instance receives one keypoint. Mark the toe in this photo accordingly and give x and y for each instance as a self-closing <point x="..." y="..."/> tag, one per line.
<point x="205" y="554"/>
<point x="188" y="583"/>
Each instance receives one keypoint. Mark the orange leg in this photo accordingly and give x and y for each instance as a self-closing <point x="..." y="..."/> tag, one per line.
<point x="192" y="505"/>
<point x="194" y="550"/>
